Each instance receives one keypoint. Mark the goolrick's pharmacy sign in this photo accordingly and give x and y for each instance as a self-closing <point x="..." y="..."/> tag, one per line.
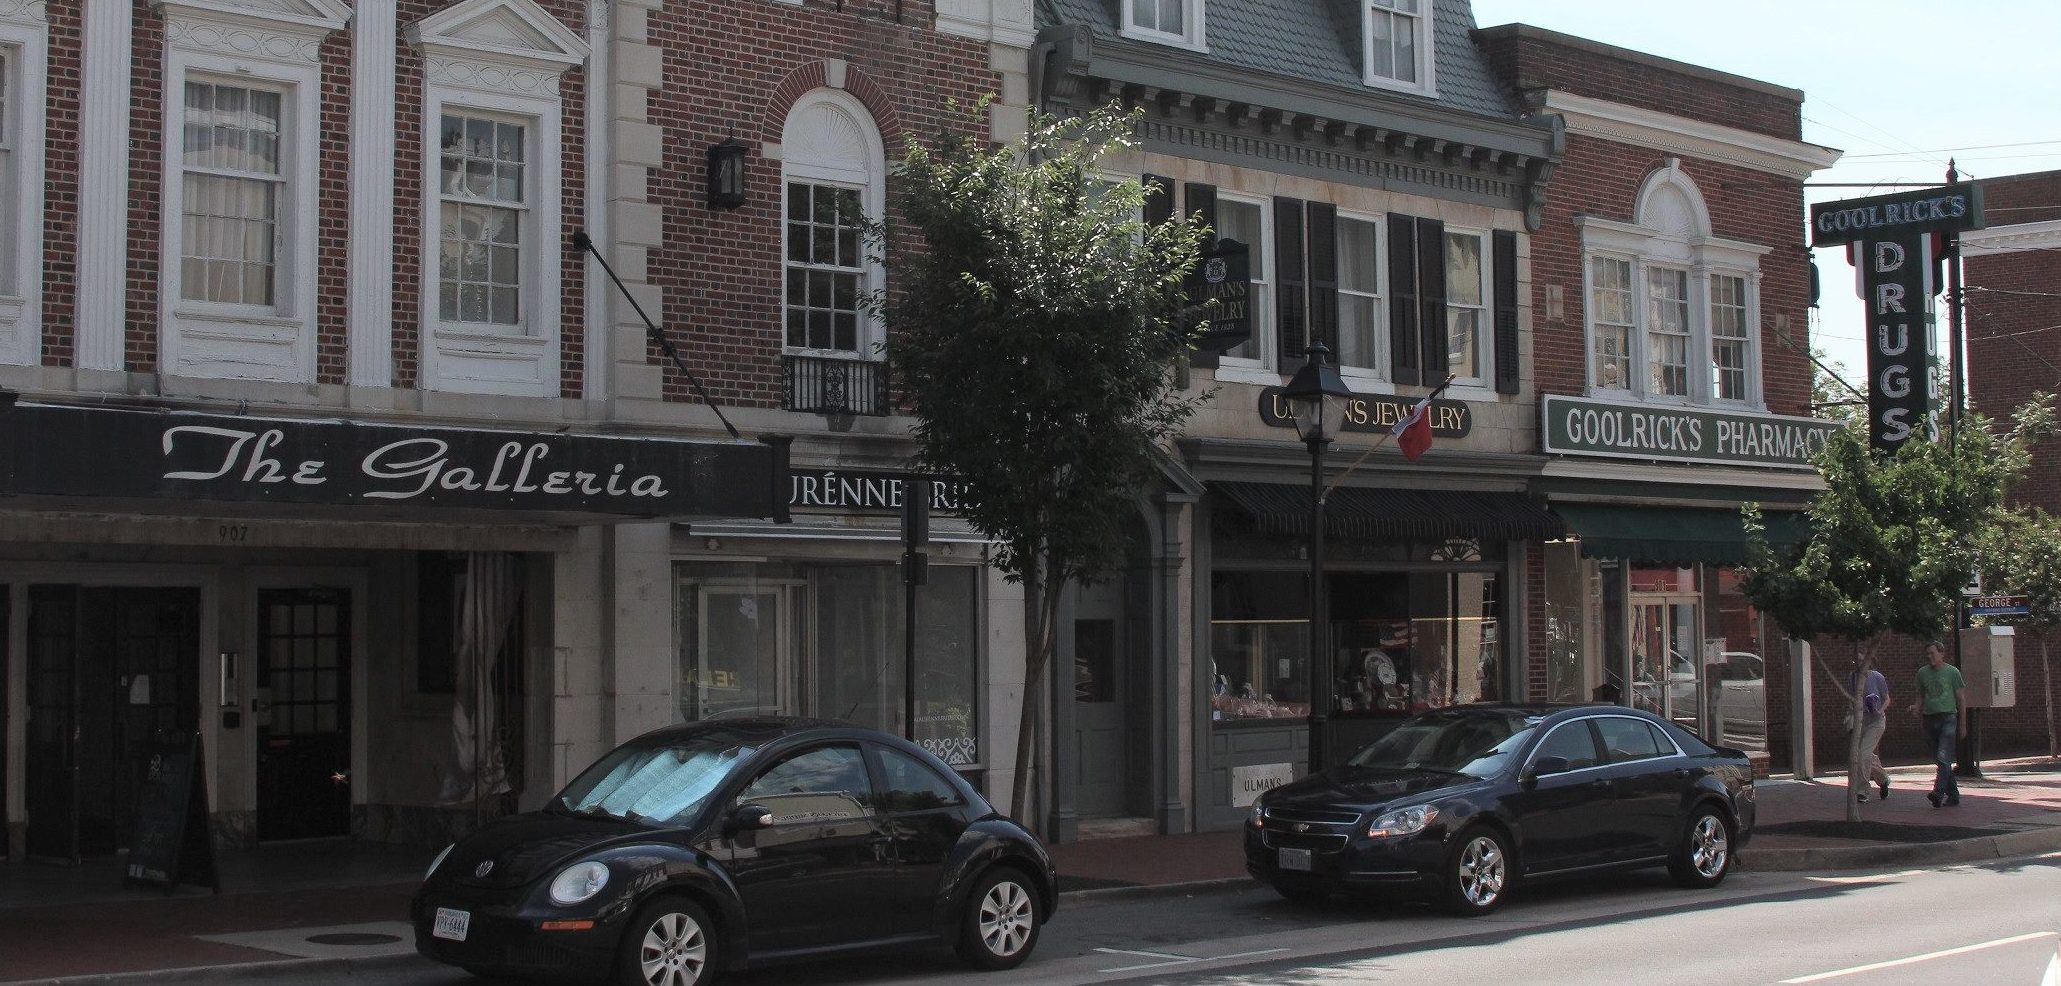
<point x="1576" y="426"/>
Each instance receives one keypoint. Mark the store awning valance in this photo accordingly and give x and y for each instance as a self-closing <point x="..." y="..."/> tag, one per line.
<point x="1680" y="535"/>
<point x="1396" y="515"/>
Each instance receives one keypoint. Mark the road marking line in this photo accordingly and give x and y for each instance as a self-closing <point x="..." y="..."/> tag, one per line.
<point x="1244" y="955"/>
<point x="1151" y="955"/>
<point x="2053" y="976"/>
<point x="1927" y="957"/>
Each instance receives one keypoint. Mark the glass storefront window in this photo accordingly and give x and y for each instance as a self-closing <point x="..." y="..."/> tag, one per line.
<point x="1401" y="642"/>
<point x="1260" y="642"/>
<point x="826" y="640"/>
<point x="1566" y="624"/>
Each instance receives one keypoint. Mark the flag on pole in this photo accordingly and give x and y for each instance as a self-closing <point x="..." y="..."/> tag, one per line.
<point x="1413" y="432"/>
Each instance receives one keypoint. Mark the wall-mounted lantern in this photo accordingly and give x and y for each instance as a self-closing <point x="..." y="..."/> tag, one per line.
<point x="726" y="174"/>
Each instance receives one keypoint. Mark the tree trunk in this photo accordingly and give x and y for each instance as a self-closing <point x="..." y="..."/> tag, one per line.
<point x="2047" y="672"/>
<point x="1040" y="624"/>
<point x="1856" y="770"/>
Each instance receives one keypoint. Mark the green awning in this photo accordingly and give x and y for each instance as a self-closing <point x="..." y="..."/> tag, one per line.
<point x="1679" y="535"/>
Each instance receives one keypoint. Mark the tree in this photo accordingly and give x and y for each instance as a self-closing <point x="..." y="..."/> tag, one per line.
<point x="1035" y="336"/>
<point x="1893" y="540"/>
<point x="2022" y="557"/>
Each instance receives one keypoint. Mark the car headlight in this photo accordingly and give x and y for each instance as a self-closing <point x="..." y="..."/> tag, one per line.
<point x="1402" y="821"/>
<point x="579" y="882"/>
<point x="439" y="861"/>
<point x="1259" y="816"/>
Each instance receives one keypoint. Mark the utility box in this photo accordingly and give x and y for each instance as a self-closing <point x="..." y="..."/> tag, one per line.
<point x="1988" y="659"/>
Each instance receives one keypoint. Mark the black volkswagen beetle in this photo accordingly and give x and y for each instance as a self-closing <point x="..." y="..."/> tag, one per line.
<point x="1459" y="804"/>
<point x="716" y="845"/>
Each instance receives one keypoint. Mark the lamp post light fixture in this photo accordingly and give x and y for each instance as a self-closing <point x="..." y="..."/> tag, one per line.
<point x="1316" y="395"/>
<point x="726" y="174"/>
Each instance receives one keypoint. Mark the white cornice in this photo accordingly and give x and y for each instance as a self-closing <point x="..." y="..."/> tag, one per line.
<point x="321" y="16"/>
<point x="1672" y="134"/>
<point x="2012" y="239"/>
<point x="1714" y="477"/>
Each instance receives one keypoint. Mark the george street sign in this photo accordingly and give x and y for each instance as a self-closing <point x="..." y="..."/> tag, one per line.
<point x="1999" y="606"/>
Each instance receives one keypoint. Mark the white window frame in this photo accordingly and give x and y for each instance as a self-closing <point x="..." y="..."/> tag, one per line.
<point x="523" y="207"/>
<point x="1749" y="352"/>
<point x="472" y="68"/>
<point x="1191" y="35"/>
<point x="1356" y="376"/>
<point x="830" y="138"/>
<point x="23" y="43"/>
<point x="1261" y="367"/>
<point x="258" y="47"/>
<point x="1694" y="318"/>
<point x="1673" y="237"/>
<point x="1484" y="322"/>
<point x="1425" y="42"/>
<point x="1630" y="326"/>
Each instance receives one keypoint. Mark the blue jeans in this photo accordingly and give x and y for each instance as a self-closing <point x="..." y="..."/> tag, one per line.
<point x="1940" y="732"/>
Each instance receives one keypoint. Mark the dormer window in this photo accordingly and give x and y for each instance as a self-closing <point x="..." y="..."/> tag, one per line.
<point x="1398" y="44"/>
<point x="1175" y="22"/>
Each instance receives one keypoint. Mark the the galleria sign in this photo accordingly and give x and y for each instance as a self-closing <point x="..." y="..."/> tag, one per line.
<point x="117" y="453"/>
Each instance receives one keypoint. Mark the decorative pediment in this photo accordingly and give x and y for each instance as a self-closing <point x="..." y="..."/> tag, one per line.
<point x="289" y="31"/>
<point x="34" y="13"/>
<point x="501" y="31"/>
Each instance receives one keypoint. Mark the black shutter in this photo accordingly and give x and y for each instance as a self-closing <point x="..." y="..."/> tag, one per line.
<point x="1403" y="365"/>
<point x="1323" y="259"/>
<point x="1506" y="311"/>
<point x="1159" y="199"/>
<point x="1201" y="201"/>
<point x="1291" y="285"/>
<point x="1431" y="299"/>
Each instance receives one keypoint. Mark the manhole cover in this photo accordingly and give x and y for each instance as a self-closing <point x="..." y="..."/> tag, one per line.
<point x="353" y="938"/>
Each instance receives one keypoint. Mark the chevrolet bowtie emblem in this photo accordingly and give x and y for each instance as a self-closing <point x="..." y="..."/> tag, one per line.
<point x="484" y="868"/>
<point x="1302" y="826"/>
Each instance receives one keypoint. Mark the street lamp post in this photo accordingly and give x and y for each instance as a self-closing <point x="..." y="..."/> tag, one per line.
<point x="1316" y="396"/>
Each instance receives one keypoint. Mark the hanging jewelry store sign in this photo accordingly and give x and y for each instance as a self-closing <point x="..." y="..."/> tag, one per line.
<point x="1374" y="414"/>
<point x="116" y="453"/>
<point x="1576" y="426"/>
<point x="1894" y="240"/>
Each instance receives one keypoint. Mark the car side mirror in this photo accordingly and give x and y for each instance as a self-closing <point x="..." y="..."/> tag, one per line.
<point x="751" y="818"/>
<point x="1544" y="766"/>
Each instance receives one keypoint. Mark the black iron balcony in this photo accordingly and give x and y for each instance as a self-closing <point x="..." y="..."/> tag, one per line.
<point x="833" y="385"/>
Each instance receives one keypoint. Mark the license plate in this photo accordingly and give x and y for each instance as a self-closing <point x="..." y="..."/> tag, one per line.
<point x="452" y="924"/>
<point x="1295" y="859"/>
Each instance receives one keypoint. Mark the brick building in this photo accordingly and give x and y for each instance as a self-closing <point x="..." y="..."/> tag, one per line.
<point x="1669" y="284"/>
<point x="330" y="446"/>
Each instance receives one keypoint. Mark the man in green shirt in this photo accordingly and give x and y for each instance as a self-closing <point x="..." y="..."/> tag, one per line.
<point x="1945" y="710"/>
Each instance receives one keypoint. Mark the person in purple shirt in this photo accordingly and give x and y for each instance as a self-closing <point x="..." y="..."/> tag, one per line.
<point x="1874" y="719"/>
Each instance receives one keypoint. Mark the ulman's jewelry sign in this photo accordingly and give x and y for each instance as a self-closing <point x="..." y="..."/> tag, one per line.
<point x="1449" y="419"/>
<point x="1575" y="426"/>
<point x="119" y="453"/>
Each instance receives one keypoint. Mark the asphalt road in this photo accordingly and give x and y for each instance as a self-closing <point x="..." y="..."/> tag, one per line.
<point x="1994" y="924"/>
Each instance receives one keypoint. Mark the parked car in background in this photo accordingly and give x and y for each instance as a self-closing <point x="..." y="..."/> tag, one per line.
<point x="1461" y="804"/>
<point x="733" y="843"/>
<point x="1742" y="695"/>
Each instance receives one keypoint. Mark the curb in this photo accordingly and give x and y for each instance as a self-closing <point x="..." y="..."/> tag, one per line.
<point x="232" y="971"/>
<point x="1143" y="890"/>
<point x="2004" y="846"/>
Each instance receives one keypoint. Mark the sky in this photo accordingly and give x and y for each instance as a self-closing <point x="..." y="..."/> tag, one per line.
<point x="1899" y="86"/>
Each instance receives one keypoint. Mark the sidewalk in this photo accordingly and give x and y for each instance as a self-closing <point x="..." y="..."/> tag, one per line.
<point x="294" y="908"/>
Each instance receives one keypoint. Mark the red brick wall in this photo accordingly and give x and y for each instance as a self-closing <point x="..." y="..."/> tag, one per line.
<point x="146" y="187"/>
<point x="1529" y="63"/>
<point x="733" y="69"/>
<point x="333" y="214"/>
<point x="61" y="182"/>
<point x="1602" y="178"/>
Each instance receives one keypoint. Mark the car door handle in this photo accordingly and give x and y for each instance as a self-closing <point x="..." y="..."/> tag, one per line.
<point x="1599" y="785"/>
<point x="1681" y="773"/>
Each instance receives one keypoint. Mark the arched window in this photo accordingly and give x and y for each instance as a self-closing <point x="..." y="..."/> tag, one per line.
<point x="1673" y="312"/>
<point x="833" y="175"/>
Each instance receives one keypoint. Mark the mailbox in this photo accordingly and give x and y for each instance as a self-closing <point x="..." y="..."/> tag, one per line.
<point x="1987" y="667"/>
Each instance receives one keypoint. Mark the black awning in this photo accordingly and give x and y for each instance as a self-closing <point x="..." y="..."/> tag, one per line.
<point x="1395" y="515"/>
<point x="1675" y="535"/>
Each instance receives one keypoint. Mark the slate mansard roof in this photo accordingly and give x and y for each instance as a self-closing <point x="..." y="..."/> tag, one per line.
<point x="1316" y="41"/>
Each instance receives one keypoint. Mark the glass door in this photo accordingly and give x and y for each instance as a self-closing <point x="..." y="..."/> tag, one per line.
<point x="1666" y="670"/>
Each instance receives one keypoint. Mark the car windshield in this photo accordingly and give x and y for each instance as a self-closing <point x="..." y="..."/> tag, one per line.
<point x="1476" y="745"/>
<point x="658" y="785"/>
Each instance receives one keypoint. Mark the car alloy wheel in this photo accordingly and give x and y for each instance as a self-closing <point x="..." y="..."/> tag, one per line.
<point x="1477" y="874"/>
<point x="668" y="945"/>
<point x="1001" y="921"/>
<point x="1705" y="855"/>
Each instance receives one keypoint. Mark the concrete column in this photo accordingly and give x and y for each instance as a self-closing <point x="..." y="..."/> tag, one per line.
<point x="370" y="294"/>
<point x="581" y="719"/>
<point x="103" y="241"/>
<point x="1803" y="756"/>
<point x="640" y="616"/>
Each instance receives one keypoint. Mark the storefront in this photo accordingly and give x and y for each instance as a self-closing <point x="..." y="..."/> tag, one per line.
<point x="1642" y="599"/>
<point x="1426" y="587"/>
<point x="351" y="616"/>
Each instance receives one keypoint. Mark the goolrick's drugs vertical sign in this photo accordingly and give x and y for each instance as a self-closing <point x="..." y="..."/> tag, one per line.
<point x="1893" y="241"/>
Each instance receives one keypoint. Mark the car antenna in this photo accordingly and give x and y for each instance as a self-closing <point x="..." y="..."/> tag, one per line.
<point x="848" y="712"/>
